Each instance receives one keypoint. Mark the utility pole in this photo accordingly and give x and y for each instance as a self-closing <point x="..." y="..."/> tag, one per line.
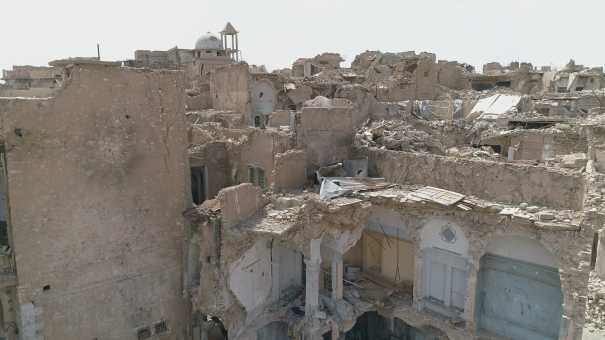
<point x="98" y="52"/>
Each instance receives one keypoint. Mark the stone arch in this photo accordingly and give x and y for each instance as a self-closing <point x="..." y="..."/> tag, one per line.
<point x="446" y="234"/>
<point x="518" y="292"/>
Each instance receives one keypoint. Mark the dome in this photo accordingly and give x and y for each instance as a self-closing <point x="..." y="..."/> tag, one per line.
<point x="208" y="41"/>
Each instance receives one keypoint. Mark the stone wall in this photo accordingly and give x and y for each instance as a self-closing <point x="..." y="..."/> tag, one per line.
<point x="325" y="134"/>
<point x="215" y="157"/>
<point x="239" y="203"/>
<point x="230" y="88"/>
<point x="259" y="151"/>
<point x="290" y="170"/>
<point x="97" y="183"/>
<point x="501" y="182"/>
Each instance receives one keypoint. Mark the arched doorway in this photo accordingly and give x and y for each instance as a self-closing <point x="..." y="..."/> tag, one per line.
<point x="519" y="291"/>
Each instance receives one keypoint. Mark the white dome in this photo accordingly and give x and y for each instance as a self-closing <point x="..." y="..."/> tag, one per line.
<point x="208" y="41"/>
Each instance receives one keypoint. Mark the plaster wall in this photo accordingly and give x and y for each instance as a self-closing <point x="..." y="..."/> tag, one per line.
<point x="522" y="249"/>
<point x="263" y="97"/>
<point x="389" y="222"/>
<point x="430" y="237"/>
<point x="290" y="268"/>
<point x="250" y="276"/>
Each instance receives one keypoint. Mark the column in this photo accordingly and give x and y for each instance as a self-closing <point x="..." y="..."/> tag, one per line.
<point x="471" y="293"/>
<point x="236" y="47"/>
<point x="313" y="270"/>
<point x="600" y="263"/>
<point x="337" y="272"/>
<point x="312" y="278"/>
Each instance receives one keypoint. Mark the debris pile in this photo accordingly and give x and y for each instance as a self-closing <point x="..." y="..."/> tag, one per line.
<point x="399" y="136"/>
<point x="595" y="309"/>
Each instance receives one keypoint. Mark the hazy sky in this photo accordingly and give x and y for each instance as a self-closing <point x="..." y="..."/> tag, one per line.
<point x="276" y="32"/>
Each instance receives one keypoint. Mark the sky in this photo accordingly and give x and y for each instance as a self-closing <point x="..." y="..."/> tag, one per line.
<point x="277" y="32"/>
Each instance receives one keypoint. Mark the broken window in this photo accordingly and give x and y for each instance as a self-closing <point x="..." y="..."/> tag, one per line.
<point x="260" y="176"/>
<point x="161" y="327"/>
<point x="198" y="184"/>
<point x="256" y="176"/>
<point x="503" y="83"/>
<point x="579" y="88"/>
<point x="251" y="174"/>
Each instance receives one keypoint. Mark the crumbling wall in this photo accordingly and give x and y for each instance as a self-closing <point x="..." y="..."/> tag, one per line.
<point x="215" y="157"/>
<point x="239" y="203"/>
<point x="250" y="276"/>
<point x="259" y="151"/>
<point x="290" y="170"/>
<point x="98" y="183"/>
<point x="363" y="100"/>
<point x="326" y="134"/>
<point x="501" y="182"/>
<point x="230" y="88"/>
<point x="477" y="229"/>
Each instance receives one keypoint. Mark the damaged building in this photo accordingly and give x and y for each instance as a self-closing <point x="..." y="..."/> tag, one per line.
<point x="187" y="195"/>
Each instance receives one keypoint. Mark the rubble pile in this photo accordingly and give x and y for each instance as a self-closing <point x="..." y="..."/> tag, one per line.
<point x="399" y="136"/>
<point x="414" y="135"/>
<point x="483" y="152"/>
<point x="595" y="311"/>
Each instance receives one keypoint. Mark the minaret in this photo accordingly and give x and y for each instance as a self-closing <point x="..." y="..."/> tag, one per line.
<point x="233" y="50"/>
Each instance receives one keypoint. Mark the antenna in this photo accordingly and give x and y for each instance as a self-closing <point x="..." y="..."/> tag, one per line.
<point x="98" y="52"/>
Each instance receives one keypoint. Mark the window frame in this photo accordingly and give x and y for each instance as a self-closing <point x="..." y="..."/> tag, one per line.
<point x="452" y="262"/>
